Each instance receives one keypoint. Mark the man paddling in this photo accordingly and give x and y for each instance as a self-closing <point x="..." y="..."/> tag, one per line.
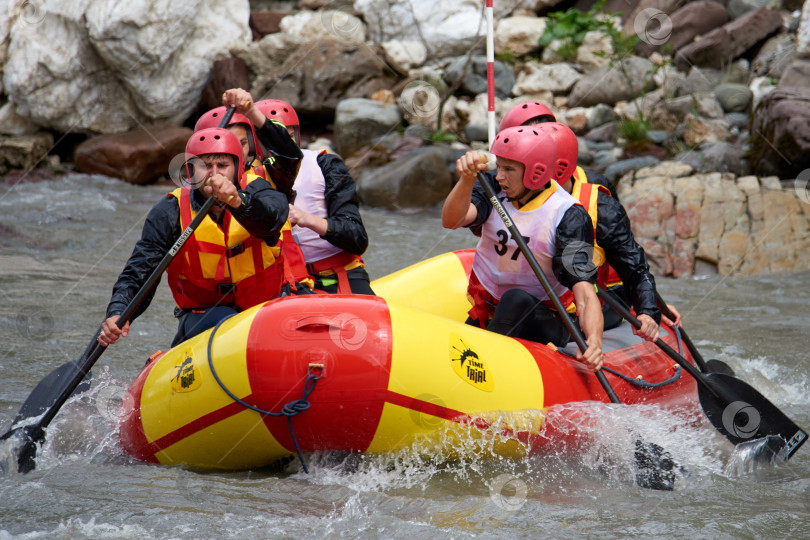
<point x="507" y="296"/>
<point x="230" y="263"/>
<point x="623" y="267"/>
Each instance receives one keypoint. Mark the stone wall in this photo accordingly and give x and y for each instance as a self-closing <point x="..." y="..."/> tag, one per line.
<point x="697" y="223"/>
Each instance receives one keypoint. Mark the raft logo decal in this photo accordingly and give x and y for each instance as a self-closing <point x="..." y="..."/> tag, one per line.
<point x="469" y="366"/>
<point x="187" y="376"/>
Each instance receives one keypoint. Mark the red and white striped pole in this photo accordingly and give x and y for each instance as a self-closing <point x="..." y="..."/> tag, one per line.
<point x="490" y="74"/>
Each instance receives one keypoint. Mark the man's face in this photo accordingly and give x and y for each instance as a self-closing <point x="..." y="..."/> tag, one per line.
<point x="208" y="165"/>
<point x="510" y="177"/>
<point x="241" y="133"/>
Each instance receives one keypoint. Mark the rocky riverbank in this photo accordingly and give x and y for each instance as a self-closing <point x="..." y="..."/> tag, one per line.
<point x="699" y="111"/>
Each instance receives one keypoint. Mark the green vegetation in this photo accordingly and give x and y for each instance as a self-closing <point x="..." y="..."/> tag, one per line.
<point x="571" y="25"/>
<point x="441" y="136"/>
<point x="634" y="129"/>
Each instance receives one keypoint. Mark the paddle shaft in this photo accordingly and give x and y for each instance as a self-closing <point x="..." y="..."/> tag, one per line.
<point x="94" y="350"/>
<point x="672" y="353"/>
<point x="524" y="248"/>
<point x="689" y="345"/>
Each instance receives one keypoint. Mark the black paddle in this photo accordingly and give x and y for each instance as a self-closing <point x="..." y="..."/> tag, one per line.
<point x="655" y="468"/>
<point x="712" y="366"/>
<point x="735" y="408"/>
<point x="73" y="377"/>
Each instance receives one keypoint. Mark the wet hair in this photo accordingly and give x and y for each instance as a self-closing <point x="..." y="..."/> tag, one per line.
<point x="542" y="119"/>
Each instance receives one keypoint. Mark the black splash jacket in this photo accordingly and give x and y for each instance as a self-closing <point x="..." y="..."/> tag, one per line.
<point x="344" y="225"/>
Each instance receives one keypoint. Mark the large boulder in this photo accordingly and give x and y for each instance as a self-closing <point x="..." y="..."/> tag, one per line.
<point x="519" y="35"/>
<point x="421" y="179"/>
<point x="270" y="52"/>
<point x="610" y="84"/>
<point x="536" y="77"/>
<point x="231" y="72"/>
<point x="105" y="66"/>
<point x="330" y="23"/>
<point x="722" y="45"/>
<point x="24" y="151"/>
<point x="695" y="19"/>
<point x="359" y="121"/>
<point x="316" y="77"/>
<point x="780" y="133"/>
<point x="446" y="27"/>
<point x="797" y="73"/>
<point x="473" y="75"/>
<point x="775" y="55"/>
<point x="139" y="156"/>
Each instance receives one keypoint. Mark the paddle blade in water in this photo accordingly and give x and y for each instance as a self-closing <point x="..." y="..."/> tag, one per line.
<point x="655" y="468"/>
<point x="742" y="414"/>
<point x="43" y="396"/>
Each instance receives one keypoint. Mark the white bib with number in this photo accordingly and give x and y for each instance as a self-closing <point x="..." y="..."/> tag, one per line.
<point x="498" y="262"/>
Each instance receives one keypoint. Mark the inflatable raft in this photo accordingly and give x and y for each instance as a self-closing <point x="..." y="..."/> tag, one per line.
<point x="371" y="374"/>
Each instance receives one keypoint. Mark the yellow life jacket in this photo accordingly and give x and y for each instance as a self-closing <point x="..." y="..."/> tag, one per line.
<point x="223" y="266"/>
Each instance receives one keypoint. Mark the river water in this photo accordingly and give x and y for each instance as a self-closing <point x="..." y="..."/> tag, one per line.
<point x="63" y="243"/>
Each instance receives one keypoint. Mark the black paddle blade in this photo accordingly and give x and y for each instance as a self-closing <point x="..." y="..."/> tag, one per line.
<point x="43" y="396"/>
<point x="655" y="468"/>
<point x="742" y="414"/>
<point x="717" y="366"/>
<point x="20" y="443"/>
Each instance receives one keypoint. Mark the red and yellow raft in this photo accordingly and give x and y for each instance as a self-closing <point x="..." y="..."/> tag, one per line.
<point x="393" y="370"/>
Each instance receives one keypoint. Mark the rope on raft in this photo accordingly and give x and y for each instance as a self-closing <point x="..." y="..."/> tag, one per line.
<point x="641" y="383"/>
<point x="289" y="410"/>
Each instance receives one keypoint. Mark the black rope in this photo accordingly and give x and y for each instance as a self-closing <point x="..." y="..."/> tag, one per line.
<point x="289" y="410"/>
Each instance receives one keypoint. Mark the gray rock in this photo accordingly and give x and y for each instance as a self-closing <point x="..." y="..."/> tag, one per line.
<point x="476" y="132"/>
<point x="777" y="54"/>
<point x="601" y="114"/>
<point x="657" y="136"/>
<point x="737" y="119"/>
<point x="359" y="121"/>
<point x="783" y="117"/>
<point x="738" y="7"/>
<point x="620" y="168"/>
<point x="609" y="85"/>
<point x="702" y="79"/>
<point x="716" y="157"/>
<point x="604" y="133"/>
<point x="389" y="140"/>
<point x="733" y="97"/>
<point x="474" y="81"/>
<point x="419" y="131"/>
<point x="796" y="74"/>
<point x="421" y="179"/>
<point x="603" y="159"/>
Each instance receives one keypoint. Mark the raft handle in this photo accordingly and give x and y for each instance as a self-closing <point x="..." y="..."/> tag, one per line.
<point x="316" y="323"/>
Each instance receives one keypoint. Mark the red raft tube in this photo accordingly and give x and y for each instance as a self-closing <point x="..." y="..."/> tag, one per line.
<point x="371" y="374"/>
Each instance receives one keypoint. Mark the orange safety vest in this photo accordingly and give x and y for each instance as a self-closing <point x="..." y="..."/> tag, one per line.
<point x="587" y="194"/>
<point x="227" y="265"/>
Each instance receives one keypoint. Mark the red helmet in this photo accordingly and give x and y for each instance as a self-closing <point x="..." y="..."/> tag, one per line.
<point x="215" y="141"/>
<point x="275" y="109"/>
<point x="567" y="149"/>
<point x="212" y="118"/>
<point x="520" y="114"/>
<point x="531" y="147"/>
